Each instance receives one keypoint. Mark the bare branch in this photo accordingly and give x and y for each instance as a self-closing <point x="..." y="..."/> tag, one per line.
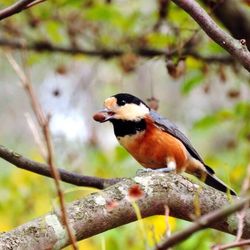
<point x="17" y="7"/>
<point x="208" y="219"/>
<point x="232" y="245"/>
<point x="43" y="169"/>
<point x="43" y="122"/>
<point x="237" y="48"/>
<point x="56" y="176"/>
<point x="241" y="217"/>
<point x="93" y="214"/>
<point x="35" y="2"/>
<point x="234" y="15"/>
<point x="107" y="54"/>
<point x="202" y="223"/>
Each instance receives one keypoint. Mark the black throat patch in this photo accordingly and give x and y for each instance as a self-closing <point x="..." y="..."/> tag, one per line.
<point x="123" y="127"/>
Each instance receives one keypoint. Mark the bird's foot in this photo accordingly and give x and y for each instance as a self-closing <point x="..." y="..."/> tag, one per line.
<point x="164" y="170"/>
<point x="157" y="170"/>
<point x="144" y="170"/>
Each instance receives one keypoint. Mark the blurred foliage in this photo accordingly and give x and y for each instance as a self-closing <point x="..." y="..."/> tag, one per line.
<point x="129" y="26"/>
<point x="194" y="78"/>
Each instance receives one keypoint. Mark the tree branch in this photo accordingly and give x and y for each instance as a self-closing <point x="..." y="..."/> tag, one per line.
<point x="234" y="15"/>
<point x="43" y="122"/>
<point x="107" y="54"/>
<point x="112" y="207"/>
<point x="43" y="169"/>
<point x="232" y="245"/>
<point x="202" y="223"/>
<point x="236" y="48"/>
<point x="16" y="8"/>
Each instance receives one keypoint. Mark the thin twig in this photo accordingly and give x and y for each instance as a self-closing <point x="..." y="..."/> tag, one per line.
<point x="202" y="223"/>
<point x="168" y="226"/>
<point x="241" y="217"/>
<point x="34" y="3"/>
<point x="36" y="134"/>
<point x="40" y="116"/>
<point x="56" y="175"/>
<point x="242" y="214"/>
<point x="246" y="182"/>
<point x="17" y="7"/>
<point x="232" y="245"/>
<point x="44" y="124"/>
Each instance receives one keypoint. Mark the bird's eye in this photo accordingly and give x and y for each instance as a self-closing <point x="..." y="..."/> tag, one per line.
<point x="123" y="102"/>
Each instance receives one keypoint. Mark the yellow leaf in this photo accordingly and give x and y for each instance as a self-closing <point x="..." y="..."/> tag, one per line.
<point x="193" y="63"/>
<point x="5" y="224"/>
<point x="84" y="244"/>
<point x="156" y="227"/>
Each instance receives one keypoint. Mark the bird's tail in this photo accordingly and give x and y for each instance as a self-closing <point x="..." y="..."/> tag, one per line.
<point x="207" y="175"/>
<point x="215" y="182"/>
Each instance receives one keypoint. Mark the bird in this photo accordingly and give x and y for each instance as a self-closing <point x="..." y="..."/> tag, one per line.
<point x="154" y="141"/>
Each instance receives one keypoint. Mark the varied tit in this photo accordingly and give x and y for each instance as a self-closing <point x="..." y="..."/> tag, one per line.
<point x="154" y="141"/>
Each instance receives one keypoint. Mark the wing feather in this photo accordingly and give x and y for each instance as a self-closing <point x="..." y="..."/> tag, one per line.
<point x="169" y="127"/>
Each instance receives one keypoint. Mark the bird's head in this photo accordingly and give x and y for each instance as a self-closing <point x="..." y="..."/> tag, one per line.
<point x="124" y="107"/>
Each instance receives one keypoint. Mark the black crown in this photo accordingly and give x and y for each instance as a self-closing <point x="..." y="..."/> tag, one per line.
<point x="125" y="98"/>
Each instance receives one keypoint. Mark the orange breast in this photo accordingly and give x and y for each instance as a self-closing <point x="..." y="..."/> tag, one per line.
<point x="153" y="148"/>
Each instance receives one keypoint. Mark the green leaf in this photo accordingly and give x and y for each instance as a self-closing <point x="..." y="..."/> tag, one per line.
<point x="212" y="48"/>
<point x="158" y="40"/>
<point x="53" y="31"/>
<point x="104" y="13"/>
<point x="193" y="79"/>
<point x="242" y="109"/>
<point x="206" y="122"/>
<point x="210" y="121"/>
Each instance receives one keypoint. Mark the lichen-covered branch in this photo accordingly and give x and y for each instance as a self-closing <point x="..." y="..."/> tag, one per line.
<point x="112" y="207"/>
<point x="237" y="48"/>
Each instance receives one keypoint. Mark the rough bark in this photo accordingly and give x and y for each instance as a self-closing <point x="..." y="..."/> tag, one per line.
<point x="95" y="214"/>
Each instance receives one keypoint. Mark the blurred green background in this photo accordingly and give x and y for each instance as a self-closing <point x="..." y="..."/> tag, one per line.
<point x="208" y="99"/>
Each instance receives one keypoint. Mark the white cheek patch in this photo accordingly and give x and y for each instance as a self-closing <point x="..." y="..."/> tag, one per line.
<point x="132" y="112"/>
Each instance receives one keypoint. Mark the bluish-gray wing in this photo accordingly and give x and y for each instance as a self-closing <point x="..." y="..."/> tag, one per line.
<point x="169" y="127"/>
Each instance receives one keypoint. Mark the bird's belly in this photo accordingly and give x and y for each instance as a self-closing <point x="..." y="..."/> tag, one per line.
<point x="155" y="150"/>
